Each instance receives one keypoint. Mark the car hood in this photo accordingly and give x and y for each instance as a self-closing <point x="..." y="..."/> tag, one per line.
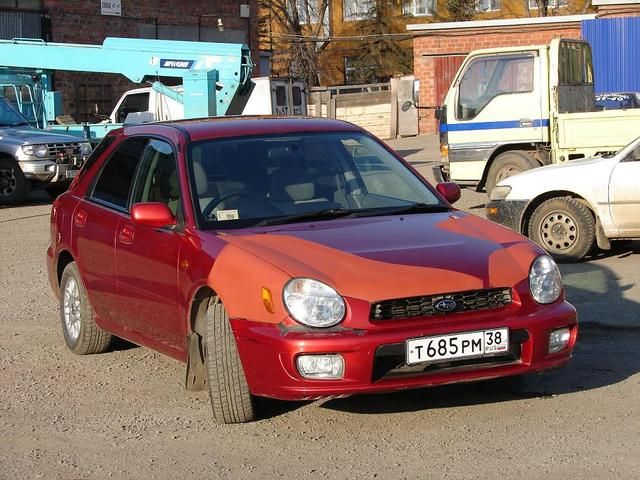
<point x="566" y="168"/>
<point x="395" y="257"/>
<point x="27" y="135"/>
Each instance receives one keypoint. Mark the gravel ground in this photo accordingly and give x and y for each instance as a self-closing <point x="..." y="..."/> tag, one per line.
<point x="124" y="414"/>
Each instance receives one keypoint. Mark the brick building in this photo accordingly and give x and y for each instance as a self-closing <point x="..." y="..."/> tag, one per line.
<point x="91" y="21"/>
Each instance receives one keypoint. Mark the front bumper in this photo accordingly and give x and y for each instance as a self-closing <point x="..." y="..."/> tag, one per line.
<point x="507" y="212"/>
<point x="374" y="359"/>
<point x="47" y="171"/>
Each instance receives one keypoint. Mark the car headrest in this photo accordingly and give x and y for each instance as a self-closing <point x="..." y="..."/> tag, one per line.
<point x="202" y="184"/>
<point x="293" y="184"/>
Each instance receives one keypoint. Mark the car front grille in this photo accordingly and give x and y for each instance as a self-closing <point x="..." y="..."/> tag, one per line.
<point x="63" y="149"/>
<point x="431" y="305"/>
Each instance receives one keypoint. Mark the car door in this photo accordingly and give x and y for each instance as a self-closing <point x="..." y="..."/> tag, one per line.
<point x="146" y="257"/>
<point x="624" y="194"/>
<point x="95" y="221"/>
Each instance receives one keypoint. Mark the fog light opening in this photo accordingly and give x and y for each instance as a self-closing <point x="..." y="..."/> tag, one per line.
<point x="328" y="367"/>
<point x="559" y="339"/>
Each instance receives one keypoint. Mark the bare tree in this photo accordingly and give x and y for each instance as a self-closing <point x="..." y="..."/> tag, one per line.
<point x="461" y="10"/>
<point x="288" y="27"/>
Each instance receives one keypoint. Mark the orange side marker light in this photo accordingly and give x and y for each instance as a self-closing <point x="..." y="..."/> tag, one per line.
<point x="267" y="300"/>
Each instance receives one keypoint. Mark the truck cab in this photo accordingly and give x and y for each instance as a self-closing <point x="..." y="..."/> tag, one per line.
<point x="512" y="109"/>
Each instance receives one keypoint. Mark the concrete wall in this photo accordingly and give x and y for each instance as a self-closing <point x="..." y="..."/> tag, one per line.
<point x="369" y="110"/>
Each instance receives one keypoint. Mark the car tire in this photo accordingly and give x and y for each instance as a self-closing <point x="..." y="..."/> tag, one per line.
<point x="564" y="227"/>
<point x="505" y="165"/>
<point x="231" y="399"/>
<point x="81" y="334"/>
<point x="14" y="186"/>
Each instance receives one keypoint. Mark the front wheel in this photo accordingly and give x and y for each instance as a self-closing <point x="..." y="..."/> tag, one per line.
<point x="14" y="187"/>
<point x="564" y="227"/>
<point x="81" y="333"/>
<point x="505" y="165"/>
<point x="231" y="399"/>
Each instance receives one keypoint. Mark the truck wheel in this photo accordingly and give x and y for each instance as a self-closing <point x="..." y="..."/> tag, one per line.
<point x="228" y="389"/>
<point x="14" y="187"/>
<point x="82" y="335"/>
<point x="505" y="165"/>
<point x="564" y="227"/>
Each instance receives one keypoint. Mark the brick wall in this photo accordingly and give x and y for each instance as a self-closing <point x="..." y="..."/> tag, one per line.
<point x="80" y="21"/>
<point x="463" y="41"/>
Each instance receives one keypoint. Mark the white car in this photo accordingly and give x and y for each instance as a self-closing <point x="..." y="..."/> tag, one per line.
<point x="567" y="208"/>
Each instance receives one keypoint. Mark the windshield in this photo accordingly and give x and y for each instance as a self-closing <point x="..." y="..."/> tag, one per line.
<point x="9" y="116"/>
<point x="287" y="178"/>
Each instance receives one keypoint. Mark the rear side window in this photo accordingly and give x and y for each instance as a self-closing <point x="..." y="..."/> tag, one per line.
<point x="115" y="180"/>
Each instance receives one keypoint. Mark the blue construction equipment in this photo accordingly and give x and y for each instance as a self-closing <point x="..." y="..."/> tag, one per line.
<point x="212" y="74"/>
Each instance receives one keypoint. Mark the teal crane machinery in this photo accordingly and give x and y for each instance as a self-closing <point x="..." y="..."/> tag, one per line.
<point x="212" y="74"/>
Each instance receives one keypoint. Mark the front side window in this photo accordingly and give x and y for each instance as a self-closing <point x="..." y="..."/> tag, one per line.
<point x="418" y="8"/>
<point x="487" y="77"/>
<point x="358" y="9"/>
<point x="133" y="103"/>
<point x="116" y="177"/>
<point x="158" y="178"/>
<point x="253" y="180"/>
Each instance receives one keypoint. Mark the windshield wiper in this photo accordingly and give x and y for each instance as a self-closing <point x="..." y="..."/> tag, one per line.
<point x="413" y="208"/>
<point x="331" y="213"/>
<point x="326" y="214"/>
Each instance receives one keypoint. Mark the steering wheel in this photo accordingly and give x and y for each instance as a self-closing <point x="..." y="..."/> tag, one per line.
<point x="206" y="211"/>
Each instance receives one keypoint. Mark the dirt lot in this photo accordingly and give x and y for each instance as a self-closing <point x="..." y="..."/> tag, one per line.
<point x="124" y="414"/>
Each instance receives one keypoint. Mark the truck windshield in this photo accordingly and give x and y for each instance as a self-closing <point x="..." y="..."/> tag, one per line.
<point x="296" y="177"/>
<point x="487" y="77"/>
<point x="9" y="116"/>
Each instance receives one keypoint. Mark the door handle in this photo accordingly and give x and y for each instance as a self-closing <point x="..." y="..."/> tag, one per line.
<point x="80" y="218"/>
<point x="126" y="235"/>
<point x="526" y="123"/>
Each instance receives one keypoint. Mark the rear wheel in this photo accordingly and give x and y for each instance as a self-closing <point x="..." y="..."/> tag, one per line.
<point x="564" y="227"/>
<point x="231" y="400"/>
<point x="81" y="333"/>
<point x="14" y="187"/>
<point x="505" y="165"/>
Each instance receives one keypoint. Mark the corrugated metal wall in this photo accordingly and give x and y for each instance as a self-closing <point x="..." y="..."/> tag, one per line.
<point x="20" y="25"/>
<point x="615" y="43"/>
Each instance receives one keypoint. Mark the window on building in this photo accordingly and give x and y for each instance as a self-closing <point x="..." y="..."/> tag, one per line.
<point x="307" y="11"/>
<point x="418" y="8"/>
<point x="22" y="4"/>
<point x="358" y="9"/>
<point x="551" y="4"/>
<point x="489" y="5"/>
<point x="486" y="78"/>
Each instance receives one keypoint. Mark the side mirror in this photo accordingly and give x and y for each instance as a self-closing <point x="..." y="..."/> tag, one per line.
<point x="152" y="214"/>
<point x="438" y="113"/>
<point x="450" y="191"/>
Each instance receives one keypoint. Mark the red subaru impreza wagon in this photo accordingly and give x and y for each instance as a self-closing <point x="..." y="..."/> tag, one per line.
<point x="295" y="259"/>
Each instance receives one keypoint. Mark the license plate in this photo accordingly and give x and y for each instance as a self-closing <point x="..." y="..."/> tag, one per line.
<point x="71" y="173"/>
<point x="460" y="345"/>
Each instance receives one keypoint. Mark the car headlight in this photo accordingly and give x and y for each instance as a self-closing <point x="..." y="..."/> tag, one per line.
<point x="39" y="151"/>
<point x="85" y="148"/>
<point x="545" y="282"/>
<point x="313" y="303"/>
<point x="500" y="192"/>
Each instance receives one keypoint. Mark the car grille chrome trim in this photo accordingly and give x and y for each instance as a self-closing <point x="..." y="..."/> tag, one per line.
<point x="425" y="306"/>
<point x="64" y="148"/>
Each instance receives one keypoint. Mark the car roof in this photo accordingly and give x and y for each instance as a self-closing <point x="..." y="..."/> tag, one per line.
<point x="220" y="127"/>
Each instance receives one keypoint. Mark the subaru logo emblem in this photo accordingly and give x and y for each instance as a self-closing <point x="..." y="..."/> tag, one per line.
<point x="446" y="305"/>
